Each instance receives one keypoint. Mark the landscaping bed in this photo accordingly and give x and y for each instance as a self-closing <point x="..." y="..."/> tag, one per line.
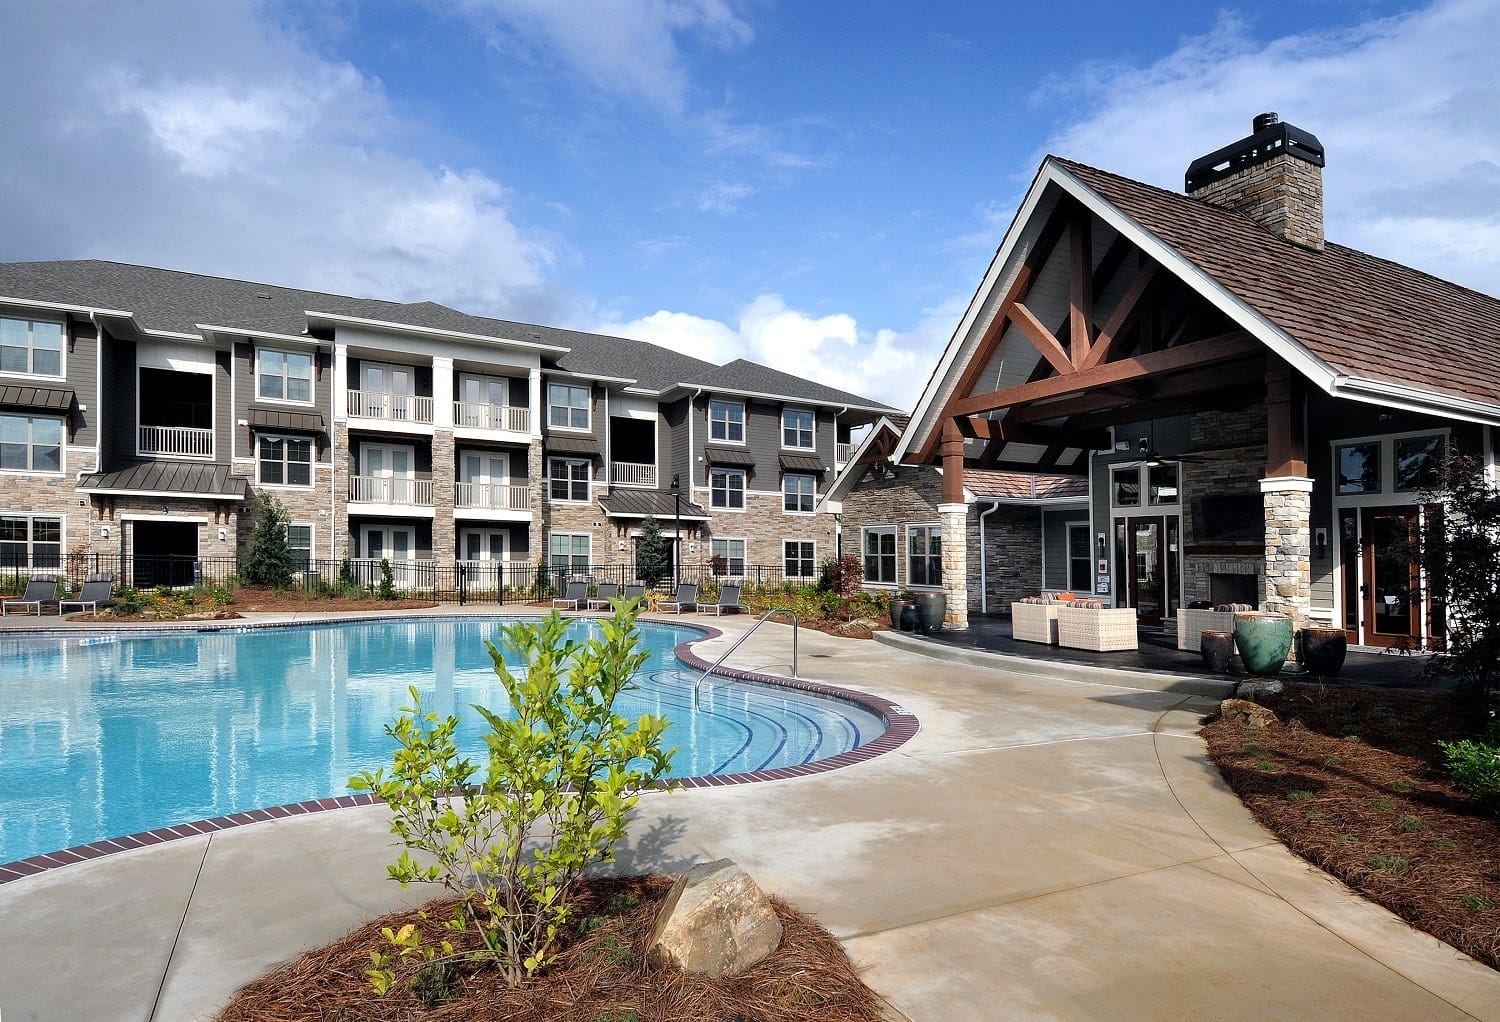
<point x="600" y="976"/>
<point x="1353" y="781"/>
<point x="293" y="601"/>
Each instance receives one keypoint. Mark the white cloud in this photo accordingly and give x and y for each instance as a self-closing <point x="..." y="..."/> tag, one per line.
<point x="247" y="155"/>
<point x="724" y="196"/>
<point x="887" y="365"/>
<point x="1405" y="107"/>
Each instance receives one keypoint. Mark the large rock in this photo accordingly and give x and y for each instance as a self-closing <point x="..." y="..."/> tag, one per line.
<point x="1259" y="690"/>
<point x="714" y="922"/>
<point x="1247" y="714"/>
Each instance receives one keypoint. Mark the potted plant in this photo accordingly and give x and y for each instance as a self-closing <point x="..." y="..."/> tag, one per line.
<point x="932" y="608"/>
<point x="899" y="603"/>
<point x="1264" y="640"/>
<point x="1322" y="650"/>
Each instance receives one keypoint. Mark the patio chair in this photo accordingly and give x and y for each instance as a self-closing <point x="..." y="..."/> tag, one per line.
<point x="729" y="600"/>
<point x="634" y="591"/>
<point x="98" y="591"/>
<point x="607" y="591"/>
<point x="40" y="589"/>
<point x="686" y="596"/>
<point x="577" y="592"/>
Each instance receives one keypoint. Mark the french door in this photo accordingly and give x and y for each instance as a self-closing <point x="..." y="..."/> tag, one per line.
<point x="388" y="390"/>
<point x="484" y="479"/>
<point x="389" y="471"/>
<point x="1384" y="602"/>
<point x="482" y="544"/>
<point x="1147" y="566"/>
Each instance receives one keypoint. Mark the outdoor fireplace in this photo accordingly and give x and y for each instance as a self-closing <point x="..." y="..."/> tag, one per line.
<point x="1233" y="588"/>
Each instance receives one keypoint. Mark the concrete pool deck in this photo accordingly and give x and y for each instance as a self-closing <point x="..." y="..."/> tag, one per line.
<point x="1043" y="848"/>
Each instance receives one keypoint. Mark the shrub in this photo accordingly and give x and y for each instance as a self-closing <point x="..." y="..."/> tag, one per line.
<point x="653" y="555"/>
<point x="560" y="781"/>
<point x="268" y="561"/>
<point x="346" y="573"/>
<point x="843" y="576"/>
<point x="1475" y="766"/>
<point x="387" y="590"/>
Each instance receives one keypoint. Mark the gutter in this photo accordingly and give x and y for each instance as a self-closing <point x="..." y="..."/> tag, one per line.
<point x="984" y="587"/>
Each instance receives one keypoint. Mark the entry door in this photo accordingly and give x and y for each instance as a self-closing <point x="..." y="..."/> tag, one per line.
<point x="1390" y="582"/>
<point x="483" y="400"/>
<point x="1147" y="563"/>
<point x="392" y="468"/>
<point x="482" y="544"/>
<point x="388" y="390"/>
<point x="487" y="473"/>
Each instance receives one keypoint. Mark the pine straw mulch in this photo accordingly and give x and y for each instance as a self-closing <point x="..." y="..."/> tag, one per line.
<point x="600" y="976"/>
<point x="1352" y="780"/>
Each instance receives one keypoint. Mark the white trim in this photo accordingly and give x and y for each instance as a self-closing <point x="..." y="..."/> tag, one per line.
<point x="385" y="326"/>
<point x="781" y="428"/>
<point x="62" y="446"/>
<point x="62" y="537"/>
<point x="790" y="398"/>
<point x="744" y="490"/>
<point x="744" y="542"/>
<point x="312" y="451"/>
<point x="62" y="351"/>
<point x="589" y="481"/>
<point x="221" y="498"/>
<point x="800" y="539"/>
<point x="312" y="377"/>
<point x="895" y="533"/>
<point x="906" y="555"/>
<point x="588" y="407"/>
<point x="312" y="538"/>
<point x="169" y="517"/>
<point x="1286" y="484"/>
<point x="800" y="475"/>
<point x="251" y="334"/>
<point x="744" y="422"/>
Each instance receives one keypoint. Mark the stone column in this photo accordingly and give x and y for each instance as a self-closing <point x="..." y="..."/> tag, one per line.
<point x="444" y="465"/>
<point x="1288" y="503"/>
<point x="536" y="529"/>
<point x="343" y="544"/>
<point x="956" y="563"/>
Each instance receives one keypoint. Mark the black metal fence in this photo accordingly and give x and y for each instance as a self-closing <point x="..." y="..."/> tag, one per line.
<point x="451" y="582"/>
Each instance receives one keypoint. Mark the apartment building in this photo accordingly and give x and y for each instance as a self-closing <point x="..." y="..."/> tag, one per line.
<point x="140" y="408"/>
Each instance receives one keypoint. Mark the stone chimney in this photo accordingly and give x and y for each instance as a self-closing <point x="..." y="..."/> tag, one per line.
<point x="1274" y="176"/>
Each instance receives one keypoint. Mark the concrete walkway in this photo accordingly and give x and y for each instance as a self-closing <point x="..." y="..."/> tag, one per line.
<point x="1043" y="849"/>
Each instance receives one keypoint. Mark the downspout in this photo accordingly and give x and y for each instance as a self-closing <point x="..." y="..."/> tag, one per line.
<point x="984" y="585"/>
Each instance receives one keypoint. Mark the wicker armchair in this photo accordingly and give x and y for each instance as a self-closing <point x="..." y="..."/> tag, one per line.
<point x="1108" y="628"/>
<point x="1034" y="622"/>
<point x="1191" y="624"/>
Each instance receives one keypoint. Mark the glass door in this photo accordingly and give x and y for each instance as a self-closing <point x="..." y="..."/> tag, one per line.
<point x="1148" y="560"/>
<point x="482" y="401"/>
<point x="1391" y="583"/>
<point x="388" y="473"/>
<point x="484" y="477"/>
<point x="388" y="390"/>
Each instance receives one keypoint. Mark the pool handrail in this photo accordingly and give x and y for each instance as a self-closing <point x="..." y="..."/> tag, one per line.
<point x="748" y="632"/>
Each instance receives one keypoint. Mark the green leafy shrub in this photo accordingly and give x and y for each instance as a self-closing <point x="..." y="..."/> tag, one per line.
<point x="268" y="560"/>
<point x="129" y="602"/>
<point x="653" y="555"/>
<point x="510" y="836"/>
<point x="1475" y="766"/>
<point x="387" y="590"/>
<point x="346" y="573"/>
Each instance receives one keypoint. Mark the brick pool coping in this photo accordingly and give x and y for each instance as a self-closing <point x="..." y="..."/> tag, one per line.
<point x="901" y="727"/>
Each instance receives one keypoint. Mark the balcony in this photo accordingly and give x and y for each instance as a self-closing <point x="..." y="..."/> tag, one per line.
<point x="470" y="415"/>
<point x="375" y="404"/>
<point x="492" y="496"/>
<point x="176" y="441"/>
<point x="842" y="453"/>
<point x="631" y="473"/>
<point x="395" y="490"/>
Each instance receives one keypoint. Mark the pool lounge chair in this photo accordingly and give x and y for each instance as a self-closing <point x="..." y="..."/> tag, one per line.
<point x="685" y="597"/>
<point x="576" y="593"/>
<point x="607" y="591"/>
<point x="40" y="589"/>
<point x="634" y="591"/>
<point x="729" y="600"/>
<point x="98" y="591"/>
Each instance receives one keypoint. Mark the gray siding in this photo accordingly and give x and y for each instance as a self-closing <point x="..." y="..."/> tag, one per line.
<point x="121" y="400"/>
<point x="763" y="440"/>
<point x="1055" y="545"/>
<point x="82" y="374"/>
<point x="673" y="434"/>
<point x="244" y="397"/>
<point x="223" y="408"/>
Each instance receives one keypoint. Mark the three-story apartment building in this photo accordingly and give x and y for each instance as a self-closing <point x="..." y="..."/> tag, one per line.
<point x="140" y="408"/>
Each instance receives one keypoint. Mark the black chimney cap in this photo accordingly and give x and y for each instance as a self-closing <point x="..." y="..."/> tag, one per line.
<point x="1272" y="137"/>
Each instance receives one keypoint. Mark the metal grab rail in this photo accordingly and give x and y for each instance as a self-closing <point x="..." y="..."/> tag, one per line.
<point x="749" y="632"/>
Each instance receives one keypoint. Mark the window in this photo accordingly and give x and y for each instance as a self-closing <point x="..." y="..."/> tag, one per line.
<point x="1126" y="488"/>
<point x="284" y="461"/>
<point x="569" y="553"/>
<point x="726" y="421"/>
<point x="1080" y="559"/>
<point x="924" y="555"/>
<point x="1358" y="468"/>
<point x="733" y="553"/>
<point x="570" y="478"/>
<point x="568" y="406"/>
<point x="30" y="443"/>
<point x="880" y="555"/>
<point x="798" y="492"/>
<point x="30" y="541"/>
<point x="284" y="375"/>
<point x="799" y="557"/>
<point x="797" y="429"/>
<point x="30" y="346"/>
<point x="1418" y="461"/>
<point x="727" y="487"/>
<point x="1162" y="483"/>
<point x="299" y="540"/>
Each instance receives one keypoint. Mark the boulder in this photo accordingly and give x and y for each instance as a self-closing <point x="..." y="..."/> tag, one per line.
<point x="1259" y="690"/>
<point x="714" y="922"/>
<point x="1246" y="714"/>
<point x="854" y="630"/>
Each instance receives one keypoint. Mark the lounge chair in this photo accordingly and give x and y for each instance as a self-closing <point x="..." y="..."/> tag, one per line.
<point x="40" y="589"/>
<point x="635" y="591"/>
<point x="576" y="593"/>
<point x="685" y="597"/>
<point x="98" y="591"/>
<point x="729" y="600"/>
<point x="607" y="591"/>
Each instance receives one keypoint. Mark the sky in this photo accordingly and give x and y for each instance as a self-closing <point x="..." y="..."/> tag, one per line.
<point x="817" y="186"/>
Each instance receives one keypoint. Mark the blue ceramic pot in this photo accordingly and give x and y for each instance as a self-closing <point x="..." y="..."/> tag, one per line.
<point x="1264" y="640"/>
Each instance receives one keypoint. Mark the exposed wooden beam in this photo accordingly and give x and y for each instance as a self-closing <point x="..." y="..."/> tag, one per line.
<point x="1081" y="287"/>
<point x="1128" y="394"/>
<point x="1039" y="436"/>
<point x="1120" y="318"/>
<point x="1286" y="447"/>
<point x="953" y="463"/>
<point x="1041" y="338"/>
<point x="1187" y="356"/>
<point x="1226" y="397"/>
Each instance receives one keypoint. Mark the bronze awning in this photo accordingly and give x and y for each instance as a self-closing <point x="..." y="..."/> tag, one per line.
<point x="573" y="445"/>
<point x="803" y="463"/>
<point x="46" y="399"/>
<point x="729" y="456"/>
<point x="288" y="421"/>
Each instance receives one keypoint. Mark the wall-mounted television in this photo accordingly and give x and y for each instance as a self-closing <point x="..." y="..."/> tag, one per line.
<point x="1237" y="519"/>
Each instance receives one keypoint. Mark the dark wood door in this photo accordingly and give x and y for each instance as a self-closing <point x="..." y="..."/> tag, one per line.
<point x="1390" y="586"/>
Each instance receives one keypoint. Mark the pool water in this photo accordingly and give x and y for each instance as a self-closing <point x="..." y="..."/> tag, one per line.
<point x="101" y="737"/>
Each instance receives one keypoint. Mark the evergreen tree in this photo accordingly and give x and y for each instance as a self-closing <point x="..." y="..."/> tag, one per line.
<point x="653" y="555"/>
<point x="268" y="560"/>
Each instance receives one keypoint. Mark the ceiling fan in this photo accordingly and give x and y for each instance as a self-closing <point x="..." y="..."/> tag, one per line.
<point x="1151" y="457"/>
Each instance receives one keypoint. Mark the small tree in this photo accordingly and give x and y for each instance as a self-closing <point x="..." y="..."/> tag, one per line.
<point x="653" y="554"/>
<point x="268" y="560"/>
<point x="509" y="838"/>
<point x="1460" y="551"/>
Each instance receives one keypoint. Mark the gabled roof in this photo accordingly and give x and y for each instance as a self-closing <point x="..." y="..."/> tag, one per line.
<point x="1356" y="326"/>
<point x="755" y="380"/>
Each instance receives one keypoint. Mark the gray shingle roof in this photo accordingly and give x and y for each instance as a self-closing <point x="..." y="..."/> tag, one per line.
<point x="169" y="477"/>
<point x="746" y="377"/>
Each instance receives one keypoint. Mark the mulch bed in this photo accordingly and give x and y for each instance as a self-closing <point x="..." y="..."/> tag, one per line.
<point x="601" y="976"/>
<point x="1352" y="781"/>
<point x="276" y="602"/>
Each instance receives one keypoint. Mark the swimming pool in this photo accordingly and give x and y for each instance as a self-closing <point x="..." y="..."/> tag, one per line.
<point x="102" y="737"/>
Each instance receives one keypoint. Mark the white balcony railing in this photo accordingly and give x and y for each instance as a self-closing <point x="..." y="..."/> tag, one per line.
<point x="842" y="453"/>
<point x="376" y="404"/>
<point x="183" y="441"/>
<point x="516" y="418"/>
<point x="493" y="496"/>
<point x="391" y="490"/>
<point x="630" y="473"/>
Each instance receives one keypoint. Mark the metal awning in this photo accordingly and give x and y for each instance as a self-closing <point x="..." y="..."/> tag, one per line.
<point x="289" y="421"/>
<point x="659" y="504"/>
<point x="803" y="463"/>
<point x="46" y="399"/>
<point x="728" y="456"/>
<point x="168" y="479"/>
<point x="573" y="445"/>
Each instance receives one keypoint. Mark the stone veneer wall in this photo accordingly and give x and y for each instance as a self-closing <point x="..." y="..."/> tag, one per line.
<point x="444" y="468"/>
<point x="763" y="525"/>
<point x="1288" y="580"/>
<point x="1013" y="552"/>
<point x="1284" y="195"/>
<point x="1235" y="465"/>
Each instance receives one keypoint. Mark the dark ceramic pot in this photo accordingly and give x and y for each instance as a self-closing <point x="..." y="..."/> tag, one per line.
<point x="931" y="609"/>
<point x="908" y="617"/>
<point x="1217" y="650"/>
<point x="1264" y="640"/>
<point x="897" y="606"/>
<point x="1322" y="650"/>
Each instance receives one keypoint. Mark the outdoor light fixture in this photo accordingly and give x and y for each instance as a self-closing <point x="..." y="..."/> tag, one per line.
<point x="1103" y="544"/>
<point x="677" y="520"/>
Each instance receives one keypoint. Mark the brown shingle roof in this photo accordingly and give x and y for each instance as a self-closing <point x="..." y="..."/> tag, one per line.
<point x="1362" y="315"/>
<point x="988" y="484"/>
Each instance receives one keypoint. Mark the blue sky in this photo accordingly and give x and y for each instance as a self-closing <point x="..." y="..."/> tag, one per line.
<point x="817" y="186"/>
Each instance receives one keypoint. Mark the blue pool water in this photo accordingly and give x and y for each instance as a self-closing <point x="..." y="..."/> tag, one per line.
<point x="100" y="738"/>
